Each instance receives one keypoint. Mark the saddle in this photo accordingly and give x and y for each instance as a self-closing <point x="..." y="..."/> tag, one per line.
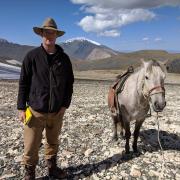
<point x="115" y="89"/>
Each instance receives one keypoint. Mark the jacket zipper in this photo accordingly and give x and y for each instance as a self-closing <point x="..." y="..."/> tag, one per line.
<point x="50" y="90"/>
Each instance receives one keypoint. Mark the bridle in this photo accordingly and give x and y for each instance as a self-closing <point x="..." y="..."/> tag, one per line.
<point x="148" y="93"/>
<point x="155" y="90"/>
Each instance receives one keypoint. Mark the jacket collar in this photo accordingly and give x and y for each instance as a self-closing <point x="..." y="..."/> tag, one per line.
<point x="58" y="52"/>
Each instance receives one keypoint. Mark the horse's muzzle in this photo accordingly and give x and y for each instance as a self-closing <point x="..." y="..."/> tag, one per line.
<point x="158" y="107"/>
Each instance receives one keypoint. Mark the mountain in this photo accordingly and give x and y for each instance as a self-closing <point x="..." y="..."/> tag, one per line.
<point x="77" y="49"/>
<point x="86" y="54"/>
<point x="12" y="50"/>
<point x="86" y="49"/>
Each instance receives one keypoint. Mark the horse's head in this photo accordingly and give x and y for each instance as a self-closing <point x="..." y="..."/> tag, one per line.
<point x="154" y="76"/>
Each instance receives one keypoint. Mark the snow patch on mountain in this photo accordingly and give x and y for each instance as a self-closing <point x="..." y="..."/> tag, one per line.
<point x="82" y="39"/>
<point x="13" y="62"/>
<point x="10" y="67"/>
<point x="3" y="40"/>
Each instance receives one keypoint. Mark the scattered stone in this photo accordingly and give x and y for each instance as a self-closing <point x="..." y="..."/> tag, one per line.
<point x="94" y="177"/>
<point x="18" y="159"/>
<point x="67" y="154"/>
<point x="153" y="173"/>
<point x="8" y="176"/>
<point x="135" y="172"/>
<point x="86" y="150"/>
<point x="177" y="176"/>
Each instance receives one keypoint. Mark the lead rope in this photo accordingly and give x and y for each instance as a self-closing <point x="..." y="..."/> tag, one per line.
<point x="161" y="150"/>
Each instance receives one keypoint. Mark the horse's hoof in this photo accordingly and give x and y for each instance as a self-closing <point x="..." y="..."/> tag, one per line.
<point x="122" y="137"/>
<point x="136" y="151"/>
<point x="126" y="152"/>
<point x="126" y="156"/>
<point x="115" y="138"/>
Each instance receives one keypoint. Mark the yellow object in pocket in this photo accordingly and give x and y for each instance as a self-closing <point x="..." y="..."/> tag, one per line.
<point x="28" y="116"/>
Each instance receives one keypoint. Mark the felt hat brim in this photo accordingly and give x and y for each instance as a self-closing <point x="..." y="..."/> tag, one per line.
<point x="38" y="30"/>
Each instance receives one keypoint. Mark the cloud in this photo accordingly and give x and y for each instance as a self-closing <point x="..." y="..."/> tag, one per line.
<point x="110" y="33"/>
<point x="145" y="39"/>
<point x="106" y="17"/>
<point x="157" y="39"/>
<point x="130" y="4"/>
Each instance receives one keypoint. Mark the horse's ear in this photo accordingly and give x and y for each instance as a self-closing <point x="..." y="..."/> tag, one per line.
<point x="164" y="65"/>
<point x="142" y="62"/>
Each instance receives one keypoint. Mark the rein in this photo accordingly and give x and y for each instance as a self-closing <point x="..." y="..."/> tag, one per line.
<point x="161" y="149"/>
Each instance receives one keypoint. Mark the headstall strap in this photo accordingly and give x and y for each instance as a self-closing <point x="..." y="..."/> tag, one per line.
<point x="159" y="89"/>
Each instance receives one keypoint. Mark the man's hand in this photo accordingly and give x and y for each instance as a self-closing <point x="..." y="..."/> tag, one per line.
<point x="61" y="112"/>
<point x="22" y="115"/>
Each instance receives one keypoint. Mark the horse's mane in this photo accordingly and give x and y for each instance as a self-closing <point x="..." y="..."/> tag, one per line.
<point x="151" y="63"/>
<point x="154" y="62"/>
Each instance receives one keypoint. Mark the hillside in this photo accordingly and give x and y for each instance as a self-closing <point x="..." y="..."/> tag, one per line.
<point x="13" y="50"/>
<point x="90" y="55"/>
<point x="123" y="60"/>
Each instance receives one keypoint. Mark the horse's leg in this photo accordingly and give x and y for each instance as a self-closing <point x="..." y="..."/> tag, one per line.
<point x="121" y="126"/>
<point x="127" y="135"/>
<point x="136" y="134"/>
<point x="115" y="121"/>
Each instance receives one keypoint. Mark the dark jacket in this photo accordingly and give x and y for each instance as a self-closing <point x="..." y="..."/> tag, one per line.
<point x="43" y="87"/>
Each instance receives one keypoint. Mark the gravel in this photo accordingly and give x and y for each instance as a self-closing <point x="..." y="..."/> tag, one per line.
<point x="86" y="148"/>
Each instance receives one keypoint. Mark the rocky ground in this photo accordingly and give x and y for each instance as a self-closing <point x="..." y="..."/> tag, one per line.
<point x="87" y="151"/>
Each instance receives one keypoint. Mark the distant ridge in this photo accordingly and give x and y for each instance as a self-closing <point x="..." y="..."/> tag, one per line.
<point x="12" y="50"/>
<point x="86" y="54"/>
<point x="124" y="60"/>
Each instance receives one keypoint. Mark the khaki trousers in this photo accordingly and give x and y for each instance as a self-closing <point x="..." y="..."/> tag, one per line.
<point x="52" y="124"/>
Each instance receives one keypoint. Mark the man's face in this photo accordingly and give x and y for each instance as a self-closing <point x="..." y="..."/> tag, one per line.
<point x="49" y="37"/>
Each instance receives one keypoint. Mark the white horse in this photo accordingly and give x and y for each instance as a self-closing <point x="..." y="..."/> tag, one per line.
<point x="142" y="87"/>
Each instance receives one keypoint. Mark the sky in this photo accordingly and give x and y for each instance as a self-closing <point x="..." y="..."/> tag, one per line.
<point x="121" y="25"/>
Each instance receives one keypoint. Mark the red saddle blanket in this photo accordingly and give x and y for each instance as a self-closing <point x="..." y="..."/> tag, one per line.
<point x="116" y="88"/>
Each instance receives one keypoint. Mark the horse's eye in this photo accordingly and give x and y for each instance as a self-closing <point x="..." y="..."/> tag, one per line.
<point x="146" y="77"/>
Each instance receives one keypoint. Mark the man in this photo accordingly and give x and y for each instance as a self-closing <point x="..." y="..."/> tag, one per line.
<point x="46" y="86"/>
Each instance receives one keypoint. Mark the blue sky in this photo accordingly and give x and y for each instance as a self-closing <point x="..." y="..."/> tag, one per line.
<point x="121" y="25"/>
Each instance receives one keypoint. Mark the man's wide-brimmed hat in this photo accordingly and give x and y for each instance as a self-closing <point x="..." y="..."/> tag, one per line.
<point x="49" y="23"/>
